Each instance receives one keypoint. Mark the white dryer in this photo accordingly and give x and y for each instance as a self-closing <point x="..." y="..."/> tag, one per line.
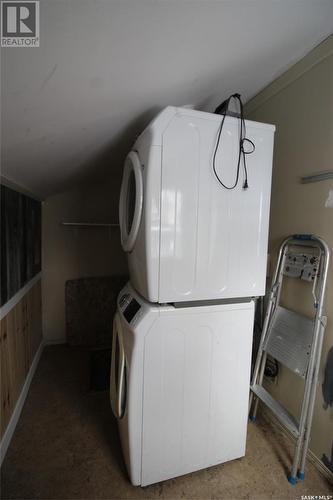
<point x="187" y="238"/>
<point x="180" y="385"/>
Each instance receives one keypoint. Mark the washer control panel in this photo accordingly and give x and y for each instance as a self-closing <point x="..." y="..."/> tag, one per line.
<point x="129" y="307"/>
<point x="124" y="300"/>
<point x="131" y="310"/>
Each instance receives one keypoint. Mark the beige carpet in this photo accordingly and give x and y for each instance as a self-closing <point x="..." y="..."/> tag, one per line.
<point x="66" y="447"/>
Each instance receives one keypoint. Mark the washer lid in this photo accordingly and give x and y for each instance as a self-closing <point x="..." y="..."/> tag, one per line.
<point x="131" y="201"/>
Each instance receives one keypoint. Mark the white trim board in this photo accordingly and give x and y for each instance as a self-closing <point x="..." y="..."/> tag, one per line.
<point x="8" y="306"/>
<point x="19" y="405"/>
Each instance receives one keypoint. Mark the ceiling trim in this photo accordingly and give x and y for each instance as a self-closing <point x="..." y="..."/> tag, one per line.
<point x="314" y="57"/>
<point x="19" y="188"/>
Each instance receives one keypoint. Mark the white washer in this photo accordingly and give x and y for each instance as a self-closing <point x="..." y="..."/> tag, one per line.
<point x="187" y="237"/>
<point x="180" y="385"/>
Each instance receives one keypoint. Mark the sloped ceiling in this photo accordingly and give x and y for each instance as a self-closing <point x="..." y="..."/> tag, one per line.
<point x="72" y="107"/>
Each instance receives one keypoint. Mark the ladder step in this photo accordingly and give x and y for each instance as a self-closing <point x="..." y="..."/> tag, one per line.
<point x="290" y="339"/>
<point x="279" y="411"/>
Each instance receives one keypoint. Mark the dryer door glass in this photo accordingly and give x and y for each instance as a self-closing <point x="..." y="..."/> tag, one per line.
<point x="118" y="371"/>
<point x="131" y="200"/>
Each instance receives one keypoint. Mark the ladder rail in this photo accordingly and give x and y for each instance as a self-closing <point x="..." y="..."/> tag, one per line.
<point x="311" y="378"/>
<point x="309" y="384"/>
<point x="321" y="322"/>
<point x="275" y="292"/>
<point x="312" y="398"/>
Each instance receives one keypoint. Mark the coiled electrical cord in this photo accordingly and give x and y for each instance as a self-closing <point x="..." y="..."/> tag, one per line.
<point x="222" y="110"/>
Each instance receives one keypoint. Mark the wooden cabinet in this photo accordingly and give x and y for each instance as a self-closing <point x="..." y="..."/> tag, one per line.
<point x="20" y="337"/>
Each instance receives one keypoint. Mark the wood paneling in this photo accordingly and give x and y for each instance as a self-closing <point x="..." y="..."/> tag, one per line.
<point x="20" y="337"/>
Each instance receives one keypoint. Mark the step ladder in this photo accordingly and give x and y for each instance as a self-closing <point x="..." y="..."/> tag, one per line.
<point x="294" y="340"/>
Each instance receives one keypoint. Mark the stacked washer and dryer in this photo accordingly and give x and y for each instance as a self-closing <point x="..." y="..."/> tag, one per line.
<point x="197" y="252"/>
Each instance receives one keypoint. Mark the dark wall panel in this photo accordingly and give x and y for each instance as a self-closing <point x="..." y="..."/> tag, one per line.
<point x="20" y="241"/>
<point x="33" y="237"/>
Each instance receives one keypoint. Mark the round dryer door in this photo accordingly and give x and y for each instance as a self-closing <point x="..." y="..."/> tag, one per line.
<point x="118" y="371"/>
<point x="131" y="200"/>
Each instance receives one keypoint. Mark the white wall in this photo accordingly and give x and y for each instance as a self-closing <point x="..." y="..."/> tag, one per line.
<point x="300" y="104"/>
<point x="70" y="253"/>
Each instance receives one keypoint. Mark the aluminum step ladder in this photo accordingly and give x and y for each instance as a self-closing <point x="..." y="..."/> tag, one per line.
<point x="293" y="339"/>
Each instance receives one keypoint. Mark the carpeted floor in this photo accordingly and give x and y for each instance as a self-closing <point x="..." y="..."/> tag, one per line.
<point x="66" y="447"/>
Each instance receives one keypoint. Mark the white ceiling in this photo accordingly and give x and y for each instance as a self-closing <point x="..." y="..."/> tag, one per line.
<point x="73" y="106"/>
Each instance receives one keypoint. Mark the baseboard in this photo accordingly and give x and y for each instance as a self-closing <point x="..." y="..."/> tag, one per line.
<point x="19" y="405"/>
<point x="310" y="455"/>
<point x="320" y="466"/>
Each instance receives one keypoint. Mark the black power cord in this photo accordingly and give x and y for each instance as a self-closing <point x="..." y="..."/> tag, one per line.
<point x="222" y="109"/>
